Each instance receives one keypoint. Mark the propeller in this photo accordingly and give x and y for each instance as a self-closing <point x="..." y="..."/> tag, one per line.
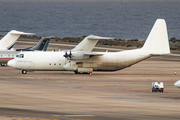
<point x="68" y="56"/>
<point x="65" y="55"/>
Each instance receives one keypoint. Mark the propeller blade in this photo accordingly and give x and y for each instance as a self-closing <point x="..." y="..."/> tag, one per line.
<point x="65" y="55"/>
<point x="70" y="54"/>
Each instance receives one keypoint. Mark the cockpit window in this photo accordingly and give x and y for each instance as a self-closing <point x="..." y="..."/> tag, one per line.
<point x="20" y="56"/>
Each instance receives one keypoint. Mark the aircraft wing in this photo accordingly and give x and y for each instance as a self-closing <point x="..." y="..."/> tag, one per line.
<point x="82" y="55"/>
<point x="94" y="53"/>
<point x="88" y="43"/>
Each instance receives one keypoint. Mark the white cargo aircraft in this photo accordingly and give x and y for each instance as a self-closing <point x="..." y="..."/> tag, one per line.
<point x="81" y="58"/>
<point x="7" y="42"/>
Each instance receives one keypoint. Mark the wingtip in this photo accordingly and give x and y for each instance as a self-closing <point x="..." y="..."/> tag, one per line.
<point x="98" y="37"/>
<point x="20" y="33"/>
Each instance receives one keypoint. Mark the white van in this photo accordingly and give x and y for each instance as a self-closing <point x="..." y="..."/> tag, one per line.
<point x="157" y="86"/>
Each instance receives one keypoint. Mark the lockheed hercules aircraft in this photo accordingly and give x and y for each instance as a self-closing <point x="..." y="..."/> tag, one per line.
<point x="81" y="59"/>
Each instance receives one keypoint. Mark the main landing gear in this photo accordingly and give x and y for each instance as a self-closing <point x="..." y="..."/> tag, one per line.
<point x="76" y="72"/>
<point x="24" y="71"/>
<point x="3" y="64"/>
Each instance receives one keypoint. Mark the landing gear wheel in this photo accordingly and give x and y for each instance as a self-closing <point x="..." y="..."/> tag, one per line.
<point x="3" y="64"/>
<point x="24" y="71"/>
<point x="76" y="72"/>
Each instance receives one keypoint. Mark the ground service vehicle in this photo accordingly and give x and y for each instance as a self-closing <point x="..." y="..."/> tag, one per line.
<point x="157" y="86"/>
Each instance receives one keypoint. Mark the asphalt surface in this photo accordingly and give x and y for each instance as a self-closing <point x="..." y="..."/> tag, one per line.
<point x="119" y="95"/>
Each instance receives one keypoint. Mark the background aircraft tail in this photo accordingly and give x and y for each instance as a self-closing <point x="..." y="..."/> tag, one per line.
<point x="41" y="45"/>
<point x="7" y="42"/>
<point x="157" y="42"/>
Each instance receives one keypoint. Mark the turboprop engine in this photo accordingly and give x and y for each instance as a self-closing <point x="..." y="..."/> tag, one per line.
<point x="75" y="55"/>
<point x="79" y="56"/>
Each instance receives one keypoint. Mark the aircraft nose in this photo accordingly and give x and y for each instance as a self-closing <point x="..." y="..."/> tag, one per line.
<point x="177" y="84"/>
<point x="11" y="63"/>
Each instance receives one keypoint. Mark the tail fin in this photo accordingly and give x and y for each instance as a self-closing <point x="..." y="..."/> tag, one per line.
<point x="157" y="42"/>
<point x="10" y="38"/>
<point x="42" y="44"/>
<point x="88" y="43"/>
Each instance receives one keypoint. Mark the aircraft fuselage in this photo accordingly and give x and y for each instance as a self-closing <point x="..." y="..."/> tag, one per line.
<point x="7" y="55"/>
<point x="55" y="61"/>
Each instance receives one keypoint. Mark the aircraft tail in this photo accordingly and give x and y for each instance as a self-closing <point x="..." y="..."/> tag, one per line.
<point x="8" y="41"/>
<point x="42" y="44"/>
<point x="157" y="42"/>
<point x="88" y="43"/>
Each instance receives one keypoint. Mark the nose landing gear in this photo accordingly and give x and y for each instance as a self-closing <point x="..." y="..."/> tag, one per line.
<point x="24" y="71"/>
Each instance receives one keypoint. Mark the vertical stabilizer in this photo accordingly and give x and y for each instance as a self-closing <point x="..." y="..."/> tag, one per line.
<point x="10" y="38"/>
<point x="42" y="44"/>
<point x="157" y="42"/>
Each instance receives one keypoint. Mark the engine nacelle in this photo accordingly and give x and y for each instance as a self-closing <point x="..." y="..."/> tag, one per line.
<point x="71" y="66"/>
<point x="79" y="56"/>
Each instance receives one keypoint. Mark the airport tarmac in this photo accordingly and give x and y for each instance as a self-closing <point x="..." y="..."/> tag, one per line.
<point x="119" y="95"/>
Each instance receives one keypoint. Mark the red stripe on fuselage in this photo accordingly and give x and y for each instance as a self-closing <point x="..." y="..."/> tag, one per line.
<point x="6" y="58"/>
